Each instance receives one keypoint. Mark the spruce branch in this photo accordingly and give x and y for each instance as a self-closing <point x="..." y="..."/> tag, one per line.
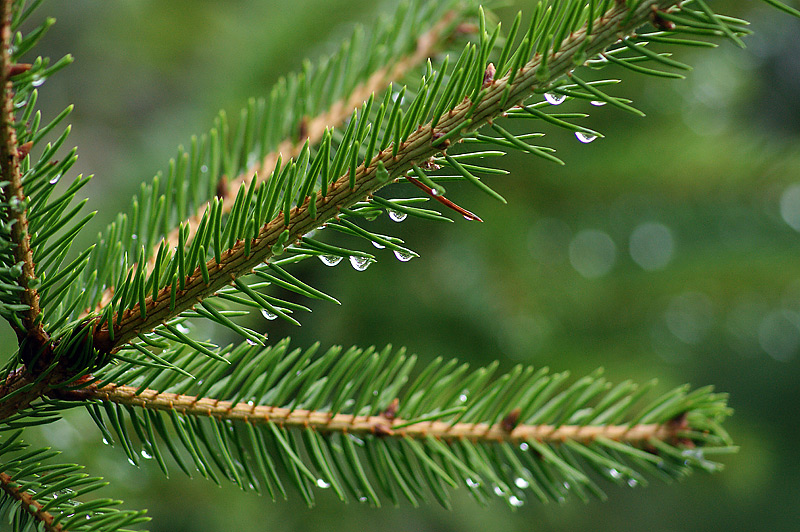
<point x="381" y="425"/>
<point x="356" y="420"/>
<point x="14" y="200"/>
<point x="311" y="132"/>
<point x="51" y="497"/>
<point x="311" y="406"/>
<point x="28" y="504"/>
<point x="361" y="181"/>
<point x="333" y="117"/>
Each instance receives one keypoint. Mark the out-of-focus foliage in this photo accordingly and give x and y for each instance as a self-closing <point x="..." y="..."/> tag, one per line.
<point x="670" y="247"/>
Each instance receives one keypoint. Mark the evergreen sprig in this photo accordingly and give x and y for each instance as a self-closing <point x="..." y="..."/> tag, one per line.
<point x="327" y="183"/>
<point x="109" y="327"/>
<point x="356" y="421"/>
<point x="36" y="494"/>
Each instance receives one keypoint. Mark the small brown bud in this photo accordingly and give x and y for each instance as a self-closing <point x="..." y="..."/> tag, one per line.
<point x="680" y="423"/>
<point x="24" y="149"/>
<point x="659" y="22"/>
<point x="437" y="135"/>
<point x="509" y="423"/>
<point x="391" y="411"/>
<point x="18" y="68"/>
<point x="302" y="128"/>
<point x="488" y="75"/>
<point x="380" y="430"/>
<point x="222" y="186"/>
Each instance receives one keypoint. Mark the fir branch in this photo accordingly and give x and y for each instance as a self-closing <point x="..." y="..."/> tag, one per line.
<point x="313" y="129"/>
<point x="13" y="196"/>
<point x="38" y="493"/>
<point x="258" y="400"/>
<point x="426" y="141"/>
<point x="380" y="425"/>
<point x="28" y="504"/>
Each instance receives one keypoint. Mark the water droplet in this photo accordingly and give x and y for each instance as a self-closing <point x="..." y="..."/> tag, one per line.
<point x="696" y="454"/>
<point x="106" y="442"/>
<point x="204" y="168"/>
<point x="251" y="341"/>
<point x="515" y="501"/>
<point x="554" y="99"/>
<point x="614" y="473"/>
<point x="37" y="82"/>
<point x="434" y="192"/>
<point x="462" y="398"/>
<point x="358" y="441"/>
<point x="322" y="484"/>
<point x="566" y="485"/>
<point x="523" y="446"/>
<point x="55" y="179"/>
<point x="269" y="315"/>
<point x="330" y="260"/>
<point x="362" y="499"/>
<point x="378" y="245"/>
<point x="146" y="455"/>
<point x="632" y="482"/>
<point x="498" y="491"/>
<point x="182" y="328"/>
<point x="360" y="263"/>
<point x="251" y="402"/>
<point x="472" y="484"/>
<point x="584" y="137"/>
<point x="131" y="462"/>
<point x="397" y="216"/>
<point x="521" y="483"/>
<point x="403" y="256"/>
<point x="597" y="103"/>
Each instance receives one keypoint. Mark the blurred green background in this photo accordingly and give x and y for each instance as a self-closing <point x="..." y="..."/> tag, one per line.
<point x="668" y="249"/>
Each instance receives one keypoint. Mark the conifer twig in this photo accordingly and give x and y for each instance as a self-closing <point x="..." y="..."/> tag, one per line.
<point x="12" y="193"/>
<point x="314" y="129"/>
<point x="28" y="504"/>
<point x="381" y="425"/>
<point x="334" y="116"/>
<point x="420" y="145"/>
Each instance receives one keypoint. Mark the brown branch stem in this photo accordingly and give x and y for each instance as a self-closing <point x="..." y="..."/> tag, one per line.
<point x="419" y="147"/>
<point x="379" y="425"/>
<point x="12" y="193"/>
<point x="28" y="504"/>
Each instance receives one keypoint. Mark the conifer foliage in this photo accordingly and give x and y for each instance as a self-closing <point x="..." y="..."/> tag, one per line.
<point x="109" y="329"/>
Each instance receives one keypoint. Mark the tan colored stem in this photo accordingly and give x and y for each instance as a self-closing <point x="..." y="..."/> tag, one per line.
<point x="28" y="504"/>
<point x="12" y="193"/>
<point x="614" y="24"/>
<point x="378" y="425"/>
